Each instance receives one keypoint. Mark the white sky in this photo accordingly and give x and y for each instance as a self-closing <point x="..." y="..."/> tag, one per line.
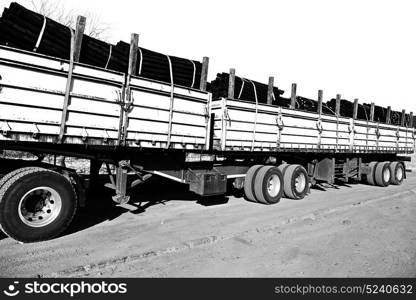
<point x="360" y="49"/>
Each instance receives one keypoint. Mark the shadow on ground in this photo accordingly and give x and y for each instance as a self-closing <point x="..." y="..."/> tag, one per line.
<point x="155" y="191"/>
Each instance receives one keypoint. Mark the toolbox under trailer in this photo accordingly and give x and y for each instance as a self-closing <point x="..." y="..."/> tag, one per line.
<point x="147" y="128"/>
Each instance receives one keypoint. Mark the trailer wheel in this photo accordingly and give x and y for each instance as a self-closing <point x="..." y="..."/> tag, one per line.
<point x="370" y="176"/>
<point x="295" y="179"/>
<point x="397" y="172"/>
<point x="36" y="204"/>
<point x="268" y="185"/>
<point x="249" y="182"/>
<point x="382" y="174"/>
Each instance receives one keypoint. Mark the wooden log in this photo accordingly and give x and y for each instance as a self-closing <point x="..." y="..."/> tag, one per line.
<point x="293" y="96"/>
<point x="355" y="110"/>
<point x="204" y="74"/>
<point x="231" y="84"/>
<point x="320" y="98"/>
<point x="270" y="90"/>
<point x="411" y="119"/>
<point x="338" y="105"/>
<point x="403" y="118"/>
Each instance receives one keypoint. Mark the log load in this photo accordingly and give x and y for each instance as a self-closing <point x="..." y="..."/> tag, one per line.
<point x="347" y="109"/>
<point x="22" y="28"/>
<point x="311" y="105"/>
<point x="245" y="89"/>
<point x="363" y="112"/>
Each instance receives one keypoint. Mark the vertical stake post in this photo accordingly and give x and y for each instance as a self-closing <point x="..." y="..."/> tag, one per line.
<point x="79" y="32"/>
<point x="76" y="42"/>
<point x="403" y="118"/>
<point x="204" y="74"/>
<point x="131" y="71"/>
<point x="293" y="96"/>
<point x="338" y="105"/>
<point x="372" y="112"/>
<point x="231" y="84"/>
<point x="388" y="115"/>
<point x="270" y="90"/>
<point x="320" y="98"/>
<point x="134" y="47"/>
<point x="355" y="111"/>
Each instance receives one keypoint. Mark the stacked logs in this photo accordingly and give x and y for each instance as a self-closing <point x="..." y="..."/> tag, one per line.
<point x="21" y="28"/>
<point x="311" y="105"/>
<point x="246" y="89"/>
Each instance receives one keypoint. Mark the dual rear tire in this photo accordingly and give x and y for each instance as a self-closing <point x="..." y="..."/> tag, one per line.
<point x="385" y="173"/>
<point x="268" y="184"/>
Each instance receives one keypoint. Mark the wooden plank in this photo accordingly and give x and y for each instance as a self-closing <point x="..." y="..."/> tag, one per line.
<point x="75" y="50"/>
<point x="338" y="104"/>
<point x="320" y="97"/>
<point x="270" y="90"/>
<point x="293" y="96"/>
<point x="355" y="111"/>
<point x="204" y="74"/>
<point x="372" y="111"/>
<point x="134" y="47"/>
<point x="231" y="84"/>
<point x="403" y="118"/>
<point x="388" y="115"/>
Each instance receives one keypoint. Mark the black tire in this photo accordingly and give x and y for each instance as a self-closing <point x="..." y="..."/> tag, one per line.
<point x="17" y="171"/>
<point x="397" y="171"/>
<point x="382" y="174"/>
<point x="261" y="185"/>
<point x="249" y="183"/>
<point x="292" y="173"/>
<point x="370" y="176"/>
<point x="15" y="189"/>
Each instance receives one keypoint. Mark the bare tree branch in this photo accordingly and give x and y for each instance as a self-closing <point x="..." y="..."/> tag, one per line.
<point x="58" y="11"/>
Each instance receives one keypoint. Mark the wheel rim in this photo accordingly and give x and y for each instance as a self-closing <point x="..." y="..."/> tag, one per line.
<point x="399" y="173"/>
<point x="274" y="185"/>
<point x="300" y="183"/>
<point x="386" y="175"/>
<point x="40" y="206"/>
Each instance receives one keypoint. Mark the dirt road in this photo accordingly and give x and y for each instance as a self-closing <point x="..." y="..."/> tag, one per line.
<point x="347" y="230"/>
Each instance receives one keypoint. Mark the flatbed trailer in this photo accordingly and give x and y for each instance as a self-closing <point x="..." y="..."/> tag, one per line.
<point x="147" y="128"/>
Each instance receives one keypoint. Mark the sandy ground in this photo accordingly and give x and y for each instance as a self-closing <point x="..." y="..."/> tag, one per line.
<point x="345" y="230"/>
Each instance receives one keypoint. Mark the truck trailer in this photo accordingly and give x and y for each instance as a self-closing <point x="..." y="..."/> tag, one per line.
<point x="139" y="127"/>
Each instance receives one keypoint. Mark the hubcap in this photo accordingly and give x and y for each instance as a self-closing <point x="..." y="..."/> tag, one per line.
<point x="300" y="183"/>
<point x="399" y="174"/>
<point x="386" y="175"/>
<point x="273" y="186"/>
<point x="39" y="206"/>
